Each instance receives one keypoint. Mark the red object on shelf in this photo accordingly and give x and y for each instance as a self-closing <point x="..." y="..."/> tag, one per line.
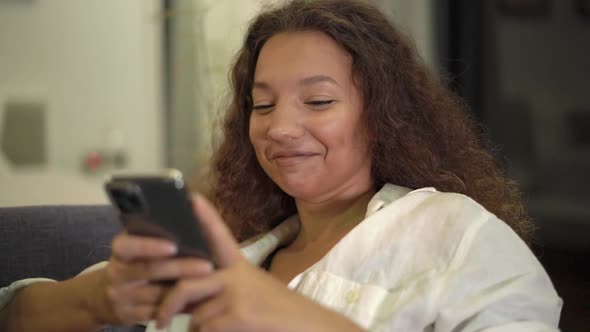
<point x="93" y="161"/>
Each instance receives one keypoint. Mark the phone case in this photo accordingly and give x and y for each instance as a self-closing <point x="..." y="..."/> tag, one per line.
<point x="159" y="206"/>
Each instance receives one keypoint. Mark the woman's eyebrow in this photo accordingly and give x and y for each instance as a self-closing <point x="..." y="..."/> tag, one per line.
<point x="260" y="85"/>
<point x="318" y="79"/>
<point x="306" y="81"/>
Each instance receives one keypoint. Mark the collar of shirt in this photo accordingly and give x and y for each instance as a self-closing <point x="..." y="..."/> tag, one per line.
<point x="258" y="248"/>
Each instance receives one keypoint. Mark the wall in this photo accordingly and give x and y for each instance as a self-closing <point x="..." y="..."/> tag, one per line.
<point x="95" y="65"/>
<point x="416" y="19"/>
<point x="96" y="68"/>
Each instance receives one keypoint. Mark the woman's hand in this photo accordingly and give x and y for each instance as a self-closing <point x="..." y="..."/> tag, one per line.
<point x="129" y="288"/>
<point x="239" y="296"/>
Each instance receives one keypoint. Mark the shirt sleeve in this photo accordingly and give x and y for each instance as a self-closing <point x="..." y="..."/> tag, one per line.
<point x="496" y="284"/>
<point x="7" y="293"/>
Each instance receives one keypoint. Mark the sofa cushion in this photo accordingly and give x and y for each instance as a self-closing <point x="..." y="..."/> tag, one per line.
<point x="55" y="242"/>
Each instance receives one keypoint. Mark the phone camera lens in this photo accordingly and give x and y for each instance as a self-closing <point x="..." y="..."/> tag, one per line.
<point x="127" y="202"/>
<point x="134" y="202"/>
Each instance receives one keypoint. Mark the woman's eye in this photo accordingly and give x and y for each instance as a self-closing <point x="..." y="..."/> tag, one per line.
<point x="263" y="107"/>
<point x="319" y="103"/>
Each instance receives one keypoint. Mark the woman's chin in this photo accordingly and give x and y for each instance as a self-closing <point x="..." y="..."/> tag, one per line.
<point x="299" y="189"/>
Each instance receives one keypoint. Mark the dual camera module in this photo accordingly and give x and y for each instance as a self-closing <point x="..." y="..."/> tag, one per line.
<point x="127" y="197"/>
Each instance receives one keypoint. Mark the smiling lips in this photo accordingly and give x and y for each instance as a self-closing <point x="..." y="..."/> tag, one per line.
<point x="290" y="158"/>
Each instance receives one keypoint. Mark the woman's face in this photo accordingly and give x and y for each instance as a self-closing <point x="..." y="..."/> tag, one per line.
<point x="306" y="125"/>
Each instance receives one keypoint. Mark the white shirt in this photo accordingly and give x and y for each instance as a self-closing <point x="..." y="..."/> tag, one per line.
<point x="422" y="260"/>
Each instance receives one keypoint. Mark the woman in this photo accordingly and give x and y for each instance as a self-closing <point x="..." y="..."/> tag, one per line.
<point x="335" y="141"/>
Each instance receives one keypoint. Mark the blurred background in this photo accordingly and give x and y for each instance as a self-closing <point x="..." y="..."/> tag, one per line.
<point x="91" y="87"/>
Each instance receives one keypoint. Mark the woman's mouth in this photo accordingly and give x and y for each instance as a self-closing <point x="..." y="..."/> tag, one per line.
<point x="290" y="158"/>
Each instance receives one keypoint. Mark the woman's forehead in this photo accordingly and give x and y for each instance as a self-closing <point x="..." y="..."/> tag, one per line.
<point x="305" y="57"/>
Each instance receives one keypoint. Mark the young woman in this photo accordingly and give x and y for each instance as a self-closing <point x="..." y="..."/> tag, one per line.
<point x="365" y="197"/>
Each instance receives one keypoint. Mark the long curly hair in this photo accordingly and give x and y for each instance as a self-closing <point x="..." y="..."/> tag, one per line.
<point x="420" y="133"/>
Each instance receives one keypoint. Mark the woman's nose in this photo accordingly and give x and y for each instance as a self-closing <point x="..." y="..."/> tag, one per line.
<point x="285" y="124"/>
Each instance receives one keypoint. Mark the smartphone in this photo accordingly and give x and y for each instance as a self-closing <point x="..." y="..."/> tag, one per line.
<point x="159" y="205"/>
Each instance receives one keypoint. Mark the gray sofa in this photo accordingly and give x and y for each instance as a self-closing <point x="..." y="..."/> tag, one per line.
<point x="55" y="242"/>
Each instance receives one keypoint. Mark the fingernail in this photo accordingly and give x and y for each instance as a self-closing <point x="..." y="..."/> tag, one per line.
<point x="160" y="324"/>
<point x="172" y="249"/>
<point x="200" y="268"/>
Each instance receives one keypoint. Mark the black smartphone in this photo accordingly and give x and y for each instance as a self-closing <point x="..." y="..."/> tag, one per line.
<point x="159" y="205"/>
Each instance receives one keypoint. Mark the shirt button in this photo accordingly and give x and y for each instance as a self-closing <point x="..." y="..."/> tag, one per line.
<point x="352" y="296"/>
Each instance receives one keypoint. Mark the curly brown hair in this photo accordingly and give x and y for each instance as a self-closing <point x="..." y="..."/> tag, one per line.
<point x="420" y="133"/>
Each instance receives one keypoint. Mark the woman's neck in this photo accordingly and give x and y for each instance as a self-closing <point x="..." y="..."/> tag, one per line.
<point x="333" y="218"/>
